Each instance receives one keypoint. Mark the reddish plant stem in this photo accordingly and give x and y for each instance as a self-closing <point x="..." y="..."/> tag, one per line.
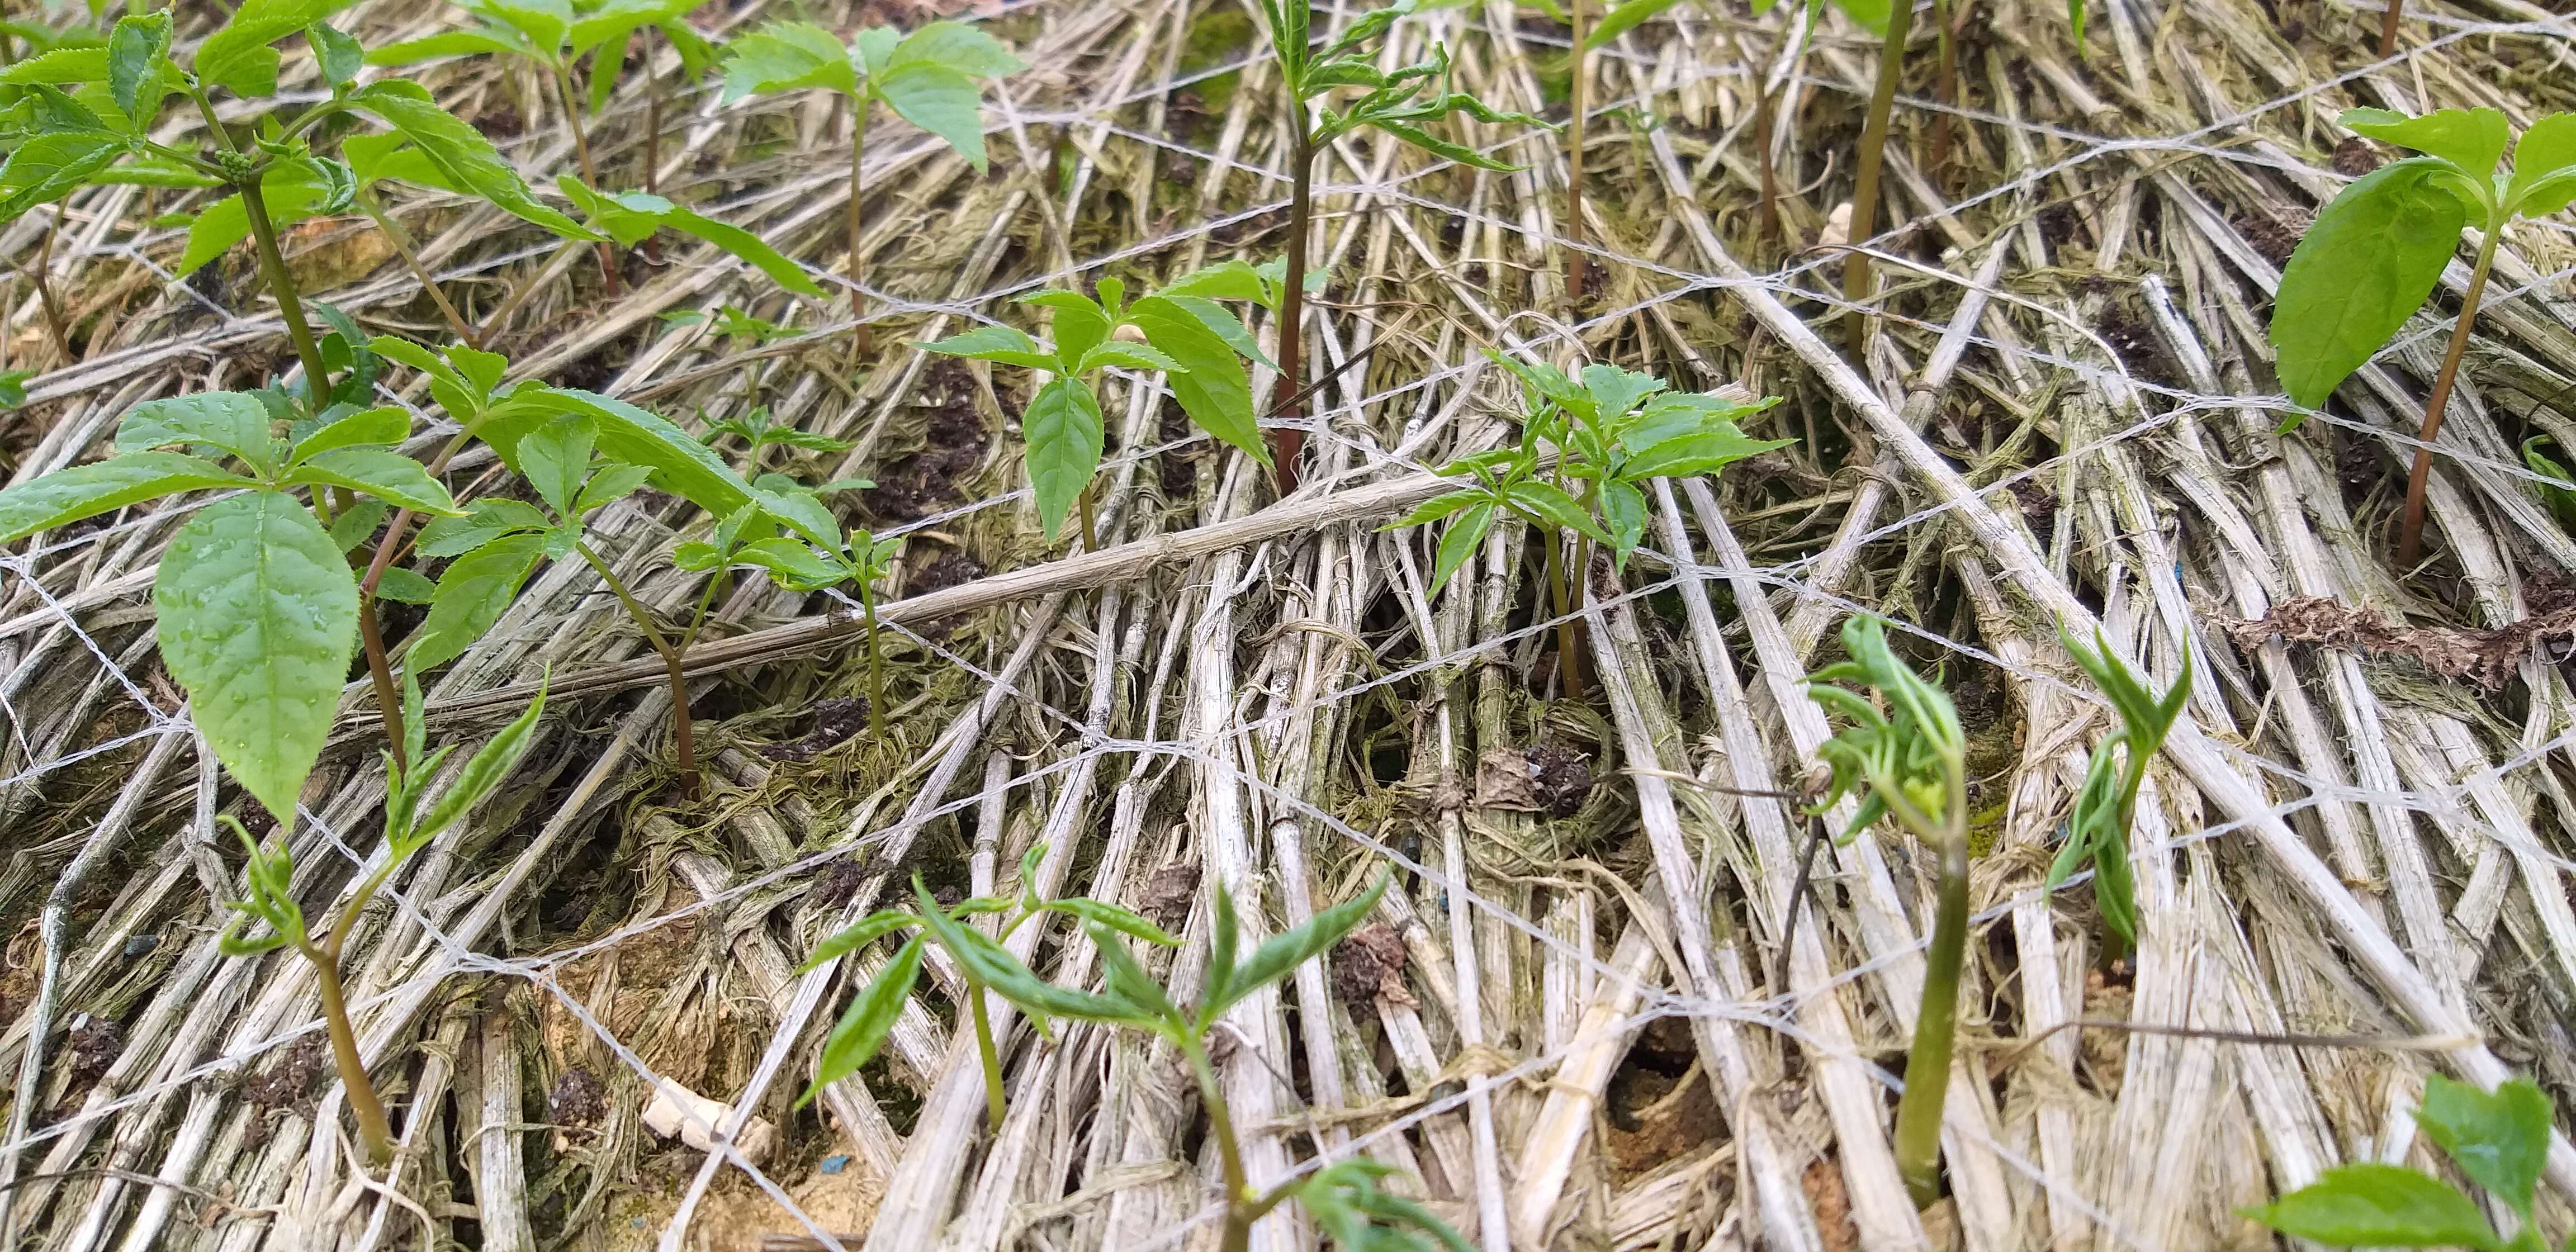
<point x="2388" y="28"/>
<point x="2411" y="535"/>
<point x="1286" y="398"/>
<point x="1873" y="152"/>
<point x="589" y="172"/>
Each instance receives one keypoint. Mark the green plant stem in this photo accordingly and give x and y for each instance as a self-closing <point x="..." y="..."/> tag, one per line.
<point x="652" y="116"/>
<point x="1579" y="100"/>
<point x="1569" y="664"/>
<point x="375" y="1131"/>
<point x="1240" y="1203"/>
<point x="2410" y="537"/>
<point x="1873" y="152"/>
<point x="43" y="273"/>
<point x="876" y="665"/>
<point x="401" y="240"/>
<point x="992" y="1059"/>
<point x="290" y="307"/>
<point x="589" y="172"/>
<point x="1927" y="1063"/>
<point x="683" y="732"/>
<point x="1285" y="397"/>
<point x="1090" y="520"/>
<point x="858" y="153"/>
<point x="1946" y="17"/>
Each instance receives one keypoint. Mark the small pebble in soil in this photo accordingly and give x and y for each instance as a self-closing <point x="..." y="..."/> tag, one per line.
<point x="141" y="945"/>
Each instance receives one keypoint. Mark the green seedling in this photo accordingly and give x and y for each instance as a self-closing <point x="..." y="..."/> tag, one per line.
<point x="927" y="78"/>
<point x="2106" y="807"/>
<point x="758" y="431"/>
<point x="1598" y="436"/>
<point x="2500" y="1139"/>
<point x="1907" y="760"/>
<point x="256" y="603"/>
<point x="413" y="817"/>
<point x="616" y="22"/>
<point x="737" y="327"/>
<point x="630" y="217"/>
<point x="861" y="1031"/>
<point x="1396" y="103"/>
<point x="1342" y="1198"/>
<point x="551" y="35"/>
<point x="1181" y="330"/>
<point x="788" y="533"/>
<point x="2381" y="244"/>
<point x="1619" y="20"/>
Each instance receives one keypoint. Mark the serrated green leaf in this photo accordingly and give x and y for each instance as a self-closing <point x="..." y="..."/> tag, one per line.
<point x="792" y="565"/>
<point x="958" y="47"/>
<point x="239" y="57"/>
<point x="611" y="484"/>
<point x="377" y="427"/>
<point x="2378" y="1205"/>
<point x="1063" y="425"/>
<point x="680" y="464"/>
<point x="484" y="771"/>
<point x="258" y="612"/>
<point x="354" y="524"/>
<point x="234" y="421"/>
<point x="2500" y="1139"/>
<point x="484" y="521"/>
<point x="404" y="586"/>
<point x="1705" y="452"/>
<point x="2473" y="139"/>
<point x="133" y="49"/>
<point x="1214" y="390"/>
<point x="1221" y="280"/>
<point x="59" y="65"/>
<point x="993" y="343"/>
<point x="339" y="56"/>
<point x="379" y="472"/>
<point x="88" y="490"/>
<point x="1623" y="514"/>
<point x="2359" y="273"/>
<point x="48" y="167"/>
<point x="862" y="1028"/>
<point x="787" y="56"/>
<point x="1435" y="508"/>
<point x="462" y="155"/>
<point x="1280" y="955"/>
<point x="1460" y="541"/>
<point x="1549" y="505"/>
<point x="476" y="589"/>
<point x="939" y="100"/>
<point x="555" y="458"/>
<point x="2546" y="153"/>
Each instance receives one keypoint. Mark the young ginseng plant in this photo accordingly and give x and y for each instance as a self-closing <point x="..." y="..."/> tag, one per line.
<point x="759" y="432"/>
<point x="2107" y="805"/>
<point x="1908" y="762"/>
<point x="1397" y="103"/>
<point x="1621" y="19"/>
<point x="1586" y="444"/>
<point x="1180" y="330"/>
<point x="862" y="1029"/>
<point x="413" y="818"/>
<point x="2381" y="244"/>
<point x="1342" y="1198"/>
<point x="258" y="608"/>
<point x="813" y="556"/>
<point x="2500" y="1139"/>
<point x="926" y="77"/>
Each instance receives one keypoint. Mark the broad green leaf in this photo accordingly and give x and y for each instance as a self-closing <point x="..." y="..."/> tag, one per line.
<point x="48" y="167"/>
<point x="291" y="193"/>
<point x="545" y="23"/>
<point x="1461" y="539"/>
<point x="1118" y="354"/>
<point x="741" y="243"/>
<point x="1616" y="392"/>
<point x="2360" y="272"/>
<point x="234" y="421"/>
<point x="993" y="343"/>
<point x="1435" y="508"/>
<point x="612" y="22"/>
<point x="1702" y="453"/>
<point x="1222" y="280"/>
<point x="1870" y="15"/>
<point x="133" y="48"/>
<point x="1079" y="323"/>
<point x="2473" y="139"/>
<point x="355" y="524"/>
<point x="1621" y="19"/>
<point x="59" y="65"/>
<point x="258" y="611"/>
<point x="376" y="427"/>
<point x="2499" y="1139"/>
<point x="1003" y="973"/>
<point x="787" y="56"/>
<point x="338" y="55"/>
<point x="2545" y="154"/>
<point x="603" y="77"/>
<point x="380" y="472"/>
<point x="873" y="48"/>
<point x="1112" y="917"/>
<point x="611" y="484"/>
<point x="461" y="154"/>
<point x="2377" y="1205"/>
<point x="955" y="46"/>
<point x="405" y="586"/>
<point x="1280" y="955"/>
<point x="681" y="465"/>
<point x="863" y="1026"/>
<point x="939" y="100"/>
<point x="1548" y="505"/>
<point x="1220" y="321"/>
<point x="1623" y="514"/>
<point x="555" y="458"/>
<point x="792" y="565"/>
<point x="1063" y="427"/>
<point x="476" y="589"/>
<point x="484" y="521"/>
<point x="239" y="56"/>
<point x="484" y="771"/>
<point x="857" y="935"/>
<point x="802" y="510"/>
<point x="88" y="490"/>
<point x="152" y="171"/>
<point x="1215" y="390"/>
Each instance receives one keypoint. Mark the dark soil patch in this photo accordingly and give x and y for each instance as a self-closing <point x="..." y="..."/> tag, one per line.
<point x="577" y="1099"/>
<point x="948" y="569"/>
<point x="2270" y="236"/>
<point x="925" y="482"/>
<point x="836" y="719"/>
<point x="1560" y="777"/>
<point x="2356" y="156"/>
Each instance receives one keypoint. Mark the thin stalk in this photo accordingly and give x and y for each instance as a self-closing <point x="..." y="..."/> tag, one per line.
<point x="1090" y="520"/>
<point x="589" y="172"/>
<point x="2410" y="537"/>
<point x="518" y="296"/>
<point x="876" y="665"/>
<point x="1240" y="1203"/>
<point x="992" y="1060"/>
<point x="290" y="307"/>
<point x="2388" y="28"/>
<point x="652" y="116"/>
<point x="683" y="732"/>
<point x="55" y="323"/>
<point x="374" y="1129"/>
<point x="1946" y="17"/>
<point x="380" y="670"/>
<point x="1285" y="401"/>
<point x="1927" y="1063"/>
<point x="1569" y="663"/>
<point x="1574" y="231"/>
<point x="1763" y="121"/>
<point x="401" y="240"/>
<point x="858" y="153"/>
<point x="1873" y="150"/>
